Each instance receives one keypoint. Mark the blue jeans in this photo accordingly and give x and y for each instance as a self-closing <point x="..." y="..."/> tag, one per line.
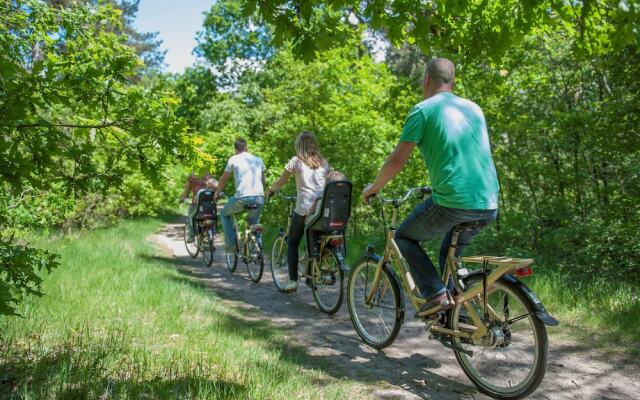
<point x="190" y="214"/>
<point x="234" y="206"/>
<point x="429" y="220"/>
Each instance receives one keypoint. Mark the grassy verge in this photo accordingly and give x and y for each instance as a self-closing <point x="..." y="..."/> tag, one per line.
<point x="116" y="323"/>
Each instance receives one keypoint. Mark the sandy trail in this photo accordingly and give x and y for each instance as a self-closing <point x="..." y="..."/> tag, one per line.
<point x="413" y="367"/>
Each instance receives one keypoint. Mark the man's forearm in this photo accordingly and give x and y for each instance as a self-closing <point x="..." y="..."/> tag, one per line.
<point x="393" y="165"/>
<point x="223" y="182"/>
<point x="389" y="170"/>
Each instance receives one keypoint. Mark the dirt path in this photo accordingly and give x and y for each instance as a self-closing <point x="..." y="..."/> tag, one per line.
<point x="413" y="367"/>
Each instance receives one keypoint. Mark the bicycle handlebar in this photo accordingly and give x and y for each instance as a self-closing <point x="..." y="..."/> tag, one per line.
<point x="424" y="190"/>
<point x="288" y="198"/>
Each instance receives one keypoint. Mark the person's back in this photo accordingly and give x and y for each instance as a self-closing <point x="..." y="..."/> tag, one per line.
<point x="451" y="134"/>
<point x="247" y="172"/>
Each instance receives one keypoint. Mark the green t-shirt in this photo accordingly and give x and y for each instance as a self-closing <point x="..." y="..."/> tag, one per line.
<point x="452" y="136"/>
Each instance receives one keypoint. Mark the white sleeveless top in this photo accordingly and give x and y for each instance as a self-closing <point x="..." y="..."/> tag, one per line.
<point x="309" y="183"/>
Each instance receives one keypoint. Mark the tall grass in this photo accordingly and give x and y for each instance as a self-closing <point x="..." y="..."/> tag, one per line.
<point x="116" y="322"/>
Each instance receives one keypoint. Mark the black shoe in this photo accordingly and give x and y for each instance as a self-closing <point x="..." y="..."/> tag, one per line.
<point x="310" y="283"/>
<point x="439" y="302"/>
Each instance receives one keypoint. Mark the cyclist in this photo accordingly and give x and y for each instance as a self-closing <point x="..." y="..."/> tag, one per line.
<point x="310" y="169"/>
<point x="451" y="134"/>
<point x="194" y="185"/>
<point x="248" y="173"/>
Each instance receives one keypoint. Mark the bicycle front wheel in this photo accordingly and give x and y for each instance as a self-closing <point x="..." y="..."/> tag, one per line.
<point x="328" y="283"/>
<point x="511" y="361"/>
<point x="231" y="257"/>
<point x="279" y="263"/>
<point x="207" y="247"/>
<point x="255" y="260"/>
<point x="192" y="247"/>
<point x="377" y="322"/>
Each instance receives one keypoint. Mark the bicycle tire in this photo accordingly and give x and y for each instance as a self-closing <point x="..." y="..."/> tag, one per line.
<point x="208" y="248"/>
<point x="540" y="339"/>
<point x="395" y="309"/>
<point x="193" y="253"/>
<point x="258" y="259"/>
<point x="279" y="263"/>
<point x="328" y="308"/>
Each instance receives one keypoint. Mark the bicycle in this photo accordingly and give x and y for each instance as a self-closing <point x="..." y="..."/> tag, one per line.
<point x="496" y="327"/>
<point x="324" y="270"/>
<point x="205" y="228"/>
<point x="249" y="247"/>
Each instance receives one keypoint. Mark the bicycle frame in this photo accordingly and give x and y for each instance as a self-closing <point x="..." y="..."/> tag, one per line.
<point x="477" y="291"/>
<point x="326" y="238"/>
<point x="242" y="240"/>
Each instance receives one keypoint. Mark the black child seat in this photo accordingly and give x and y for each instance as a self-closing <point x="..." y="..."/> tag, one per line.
<point x="331" y="214"/>
<point x="206" y="207"/>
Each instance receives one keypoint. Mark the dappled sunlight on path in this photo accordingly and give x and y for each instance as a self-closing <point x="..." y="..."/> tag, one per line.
<point x="413" y="367"/>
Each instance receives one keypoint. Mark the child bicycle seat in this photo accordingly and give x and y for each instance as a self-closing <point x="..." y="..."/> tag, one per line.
<point x="332" y="212"/>
<point x="206" y="205"/>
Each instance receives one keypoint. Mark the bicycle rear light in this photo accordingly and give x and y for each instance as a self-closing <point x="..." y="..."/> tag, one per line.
<point x="524" y="271"/>
<point x="336" y="242"/>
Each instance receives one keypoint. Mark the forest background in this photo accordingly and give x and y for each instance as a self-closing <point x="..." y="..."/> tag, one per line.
<point x="93" y="131"/>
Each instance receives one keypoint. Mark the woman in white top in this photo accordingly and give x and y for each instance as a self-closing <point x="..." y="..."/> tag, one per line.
<point x="310" y="170"/>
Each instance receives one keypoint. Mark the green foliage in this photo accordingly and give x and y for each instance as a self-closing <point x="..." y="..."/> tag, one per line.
<point x="72" y="119"/>
<point x="21" y="268"/>
<point x="470" y="30"/>
<point x="232" y="40"/>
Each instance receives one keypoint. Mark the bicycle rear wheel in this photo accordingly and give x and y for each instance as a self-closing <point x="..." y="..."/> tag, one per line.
<point x="511" y="363"/>
<point x="378" y="322"/>
<point x="254" y="260"/>
<point x="192" y="247"/>
<point x="328" y="280"/>
<point x="231" y="257"/>
<point x="279" y="263"/>
<point x="207" y="247"/>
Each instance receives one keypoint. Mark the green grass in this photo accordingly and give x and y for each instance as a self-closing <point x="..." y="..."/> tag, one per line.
<point x="117" y="323"/>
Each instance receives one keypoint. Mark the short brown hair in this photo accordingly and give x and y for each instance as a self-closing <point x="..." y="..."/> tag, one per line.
<point x="240" y="144"/>
<point x="441" y="71"/>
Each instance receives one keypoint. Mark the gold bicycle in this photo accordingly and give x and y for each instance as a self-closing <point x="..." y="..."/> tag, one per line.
<point x="324" y="269"/>
<point x="248" y="247"/>
<point x="496" y="328"/>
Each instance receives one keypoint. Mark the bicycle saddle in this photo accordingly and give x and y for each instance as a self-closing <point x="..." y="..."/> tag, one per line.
<point x="471" y="226"/>
<point x="251" y="206"/>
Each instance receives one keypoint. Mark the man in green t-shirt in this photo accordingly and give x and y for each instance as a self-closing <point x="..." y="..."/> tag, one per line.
<point x="451" y="134"/>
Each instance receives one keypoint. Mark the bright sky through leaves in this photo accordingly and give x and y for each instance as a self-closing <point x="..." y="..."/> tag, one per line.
<point x="177" y="21"/>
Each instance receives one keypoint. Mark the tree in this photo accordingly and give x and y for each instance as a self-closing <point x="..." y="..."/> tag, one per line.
<point x="71" y="119"/>
<point x="233" y="42"/>
<point x="465" y="30"/>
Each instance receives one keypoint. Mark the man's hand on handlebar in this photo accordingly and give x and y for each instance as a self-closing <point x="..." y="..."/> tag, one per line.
<point x="270" y="194"/>
<point x="368" y="192"/>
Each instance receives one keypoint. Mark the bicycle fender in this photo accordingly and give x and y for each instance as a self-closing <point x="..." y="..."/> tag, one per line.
<point x="343" y="265"/>
<point x="395" y="276"/>
<point x="541" y="312"/>
<point x="376" y="258"/>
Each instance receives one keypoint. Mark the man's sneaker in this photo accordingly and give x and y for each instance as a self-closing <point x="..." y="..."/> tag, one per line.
<point x="439" y="302"/>
<point x="291" y="286"/>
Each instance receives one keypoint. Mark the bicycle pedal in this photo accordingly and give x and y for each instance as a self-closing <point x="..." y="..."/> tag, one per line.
<point x="309" y="282"/>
